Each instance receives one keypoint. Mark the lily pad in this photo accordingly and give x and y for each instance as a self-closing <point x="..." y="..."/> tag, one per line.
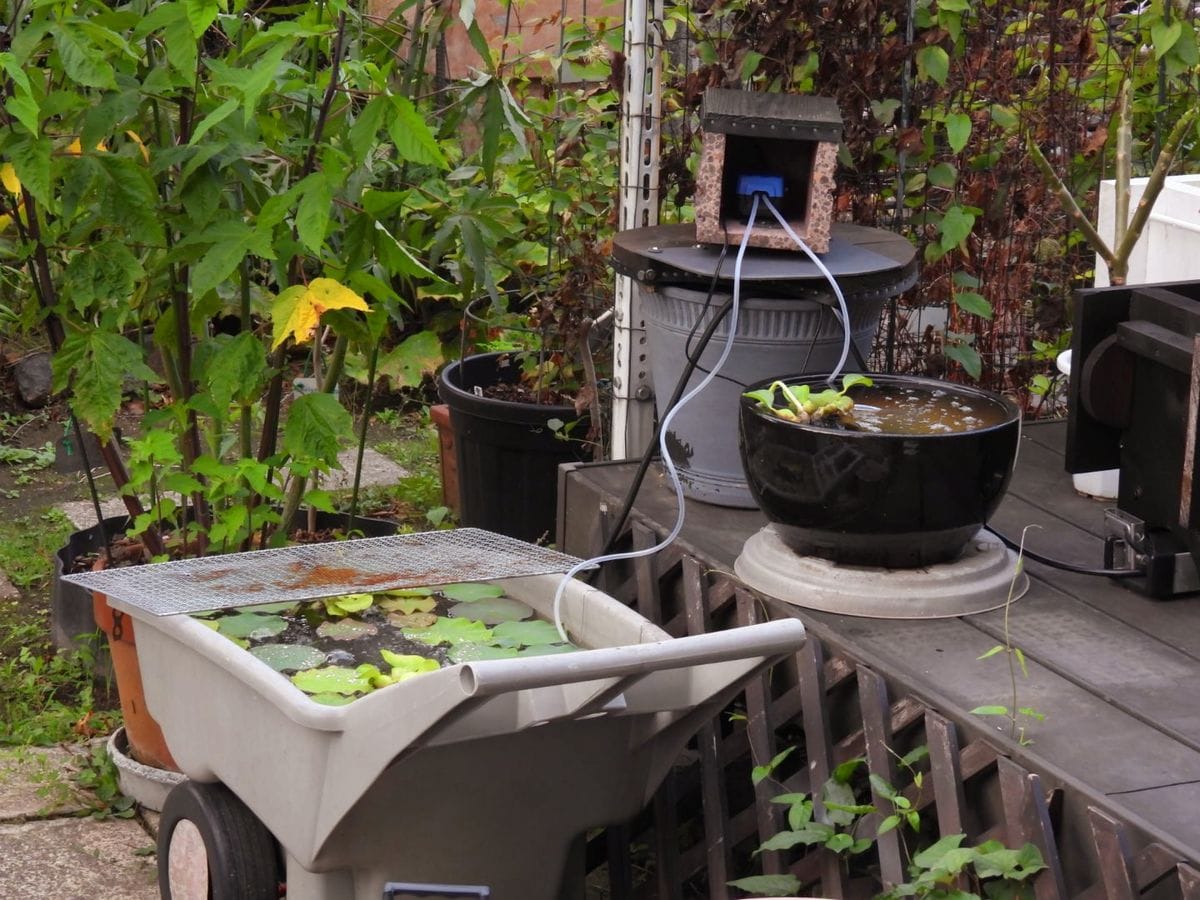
<point x="276" y="608"/>
<point x="547" y="649"/>
<point x="412" y="620"/>
<point x="470" y="592"/>
<point x="210" y="623"/>
<point x="451" y="631"/>
<point x="332" y="699"/>
<point x="408" y="665"/>
<point x="345" y="604"/>
<point x="331" y="680"/>
<point x="346" y="629"/>
<point x="410" y="592"/>
<point x="493" y="610"/>
<point x="463" y="653"/>
<point x="289" y="657"/>
<point x="251" y="625"/>
<point x="526" y="634"/>
<point x="408" y="605"/>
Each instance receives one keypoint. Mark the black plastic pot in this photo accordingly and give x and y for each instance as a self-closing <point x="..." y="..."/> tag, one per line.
<point x="508" y="454"/>
<point x="878" y="499"/>
<point x="72" y="624"/>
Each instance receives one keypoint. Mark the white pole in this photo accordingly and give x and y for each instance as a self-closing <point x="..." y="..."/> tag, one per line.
<point x="641" y="116"/>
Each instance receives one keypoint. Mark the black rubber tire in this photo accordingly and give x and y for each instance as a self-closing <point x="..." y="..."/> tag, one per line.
<point x="242" y="855"/>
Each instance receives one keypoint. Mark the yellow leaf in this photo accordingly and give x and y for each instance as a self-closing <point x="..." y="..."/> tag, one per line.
<point x="75" y="149"/>
<point x="8" y="175"/>
<point x="297" y="311"/>
<point x="136" y="138"/>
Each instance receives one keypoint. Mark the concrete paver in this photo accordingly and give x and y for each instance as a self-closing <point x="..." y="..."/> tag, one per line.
<point x="49" y="847"/>
<point x="77" y="859"/>
<point x="35" y="782"/>
<point x="83" y="515"/>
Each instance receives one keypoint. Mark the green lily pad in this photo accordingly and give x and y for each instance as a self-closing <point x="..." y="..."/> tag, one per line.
<point x="493" y="610"/>
<point x="451" y="631"/>
<point x="470" y="592"/>
<point x="289" y="657"/>
<point x="331" y="680"/>
<point x="277" y="608"/>
<point x="463" y="653"/>
<point x="408" y="665"/>
<point x="346" y="629"/>
<point x="547" y="649"/>
<point x="410" y="592"/>
<point x="408" y="605"/>
<point x="345" y="604"/>
<point x="210" y="623"/>
<point x="332" y="699"/>
<point x="251" y="625"/>
<point x="412" y="620"/>
<point x="526" y="634"/>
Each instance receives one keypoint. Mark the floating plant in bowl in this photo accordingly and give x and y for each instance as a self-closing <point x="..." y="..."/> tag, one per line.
<point x="342" y="647"/>
<point x="893" y="471"/>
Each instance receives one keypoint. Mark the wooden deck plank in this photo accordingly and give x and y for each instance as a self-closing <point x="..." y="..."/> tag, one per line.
<point x="1135" y="672"/>
<point x="1083" y="732"/>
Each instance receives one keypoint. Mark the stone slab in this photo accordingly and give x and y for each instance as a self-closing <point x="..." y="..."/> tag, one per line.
<point x="7" y="591"/>
<point x="35" y="782"/>
<point x="83" y="514"/>
<point x="77" y="859"/>
<point x="377" y="469"/>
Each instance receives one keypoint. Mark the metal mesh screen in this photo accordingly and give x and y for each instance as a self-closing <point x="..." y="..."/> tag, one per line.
<point x="307" y="571"/>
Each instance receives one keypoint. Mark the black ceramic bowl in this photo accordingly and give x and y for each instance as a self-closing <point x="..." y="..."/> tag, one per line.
<point x="879" y="499"/>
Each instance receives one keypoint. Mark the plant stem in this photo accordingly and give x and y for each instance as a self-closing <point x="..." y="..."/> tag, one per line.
<point x="372" y="363"/>
<point x="1124" y="164"/>
<point x="1069" y="205"/>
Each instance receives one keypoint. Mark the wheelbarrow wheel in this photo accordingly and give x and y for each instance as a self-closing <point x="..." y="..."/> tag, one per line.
<point x="211" y="847"/>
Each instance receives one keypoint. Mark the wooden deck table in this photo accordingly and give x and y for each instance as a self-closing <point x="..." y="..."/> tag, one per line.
<point x="1116" y="675"/>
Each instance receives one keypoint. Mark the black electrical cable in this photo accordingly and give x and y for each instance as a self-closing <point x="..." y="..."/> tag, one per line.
<point x="648" y="454"/>
<point x="1061" y="564"/>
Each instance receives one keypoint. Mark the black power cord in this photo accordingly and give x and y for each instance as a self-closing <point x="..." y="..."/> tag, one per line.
<point x="1062" y="564"/>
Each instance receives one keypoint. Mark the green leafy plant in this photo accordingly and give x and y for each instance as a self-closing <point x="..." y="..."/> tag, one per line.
<point x="46" y="696"/>
<point x="994" y="870"/>
<point x="802" y="405"/>
<point x="99" y="777"/>
<point x="1019" y="717"/>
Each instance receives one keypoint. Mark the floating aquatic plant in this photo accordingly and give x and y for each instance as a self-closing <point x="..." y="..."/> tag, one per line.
<point x="802" y="405"/>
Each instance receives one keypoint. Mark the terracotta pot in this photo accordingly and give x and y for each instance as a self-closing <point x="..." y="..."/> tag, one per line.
<point x="146" y="742"/>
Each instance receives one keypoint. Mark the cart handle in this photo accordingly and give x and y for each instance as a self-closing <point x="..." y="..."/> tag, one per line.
<point x="492" y="677"/>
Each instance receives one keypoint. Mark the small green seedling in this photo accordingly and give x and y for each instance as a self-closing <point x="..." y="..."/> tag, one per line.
<point x="802" y="405"/>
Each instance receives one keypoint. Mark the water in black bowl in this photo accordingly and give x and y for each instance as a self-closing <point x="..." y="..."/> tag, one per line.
<point x="904" y="480"/>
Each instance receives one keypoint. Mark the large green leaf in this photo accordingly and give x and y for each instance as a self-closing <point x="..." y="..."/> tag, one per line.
<point x="331" y="680"/>
<point x="410" y="135"/>
<point x="958" y="130"/>
<point x="315" y="426"/>
<point x="254" y="626"/>
<point x="289" y="657"/>
<point x="493" y="610"/>
<point x="313" y="213"/>
<point x="775" y="885"/>
<point x="451" y="631"/>
<point x="469" y="591"/>
<point x="933" y="62"/>
<point x="30" y="158"/>
<point x="237" y="371"/>
<point x="415" y="357"/>
<point x="102" y="276"/>
<point x="956" y="225"/>
<point x="526" y="634"/>
<point x="130" y="199"/>
<point x="83" y="62"/>
<point x="95" y="364"/>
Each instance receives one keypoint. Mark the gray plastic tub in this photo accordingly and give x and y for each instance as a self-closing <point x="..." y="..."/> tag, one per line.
<point x="482" y="773"/>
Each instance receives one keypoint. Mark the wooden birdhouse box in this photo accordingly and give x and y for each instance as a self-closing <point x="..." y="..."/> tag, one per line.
<point x="781" y="145"/>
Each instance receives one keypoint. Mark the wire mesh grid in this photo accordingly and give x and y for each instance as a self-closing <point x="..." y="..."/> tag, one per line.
<point x="308" y="571"/>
